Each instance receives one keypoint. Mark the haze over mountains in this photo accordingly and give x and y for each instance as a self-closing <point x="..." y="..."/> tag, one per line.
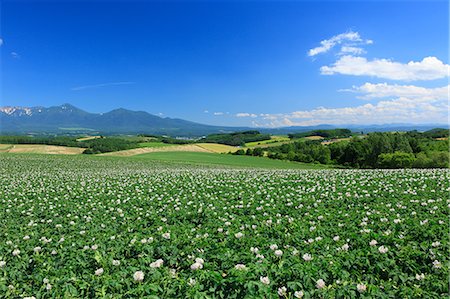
<point x="67" y="118"/>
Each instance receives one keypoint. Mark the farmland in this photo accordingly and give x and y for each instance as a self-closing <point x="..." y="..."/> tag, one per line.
<point x="84" y="226"/>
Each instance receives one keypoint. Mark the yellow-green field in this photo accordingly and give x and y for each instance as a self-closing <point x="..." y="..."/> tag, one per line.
<point x="218" y="148"/>
<point x="40" y="149"/>
<point x="146" y="150"/>
<point x="273" y="141"/>
<point x="88" y="138"/>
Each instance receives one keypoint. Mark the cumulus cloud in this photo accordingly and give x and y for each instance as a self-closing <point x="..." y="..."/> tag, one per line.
<point x="429" y="68"/>
<point x="387" y="111"/>
<point x="252" y="115"/>
<point x="383" y="90"/>
<point x="396" y="104"/>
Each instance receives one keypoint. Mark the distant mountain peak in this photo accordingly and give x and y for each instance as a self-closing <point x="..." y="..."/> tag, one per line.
<point x="16" y="110"/>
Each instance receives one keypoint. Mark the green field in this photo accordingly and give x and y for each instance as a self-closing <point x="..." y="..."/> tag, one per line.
<point x="225" y="160"/>
<point x="106" y="227"/>
<point x="275" y="140"/>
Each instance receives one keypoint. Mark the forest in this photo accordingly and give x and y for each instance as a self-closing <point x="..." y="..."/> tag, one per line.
<point x="412" y="149"/>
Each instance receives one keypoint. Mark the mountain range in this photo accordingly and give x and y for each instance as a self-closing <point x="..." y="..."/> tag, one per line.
<point x="68" y="119"/>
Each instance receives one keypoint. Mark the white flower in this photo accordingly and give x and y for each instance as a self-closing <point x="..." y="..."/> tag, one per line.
<point x="220" y="230"/>
<point x="157" y="263"/>
<point x="37" y="249"/>
<point x="115" y="262"/>
<point x="307" y="257"/>
<point x="336" y="238"/>
<point x="278" y="252"/>
<point x="383" y="249"/>
<point x="437" y="264"/>
<point x="282" y="291"/>
<point x="166" y="236"/>
<point x="254" y="249"/>
<point x="196" y="266"/>
<point x="436" y="244"/>
<point x="26" y="237"/>
<point x="138" y="276"/>
<point x="16" y="252"/>
<point x="45" y="280"/>
<point x="373" y="243"/>
<point x="99" y="271"/>
<point x="274" y="246"/>
<point x="298" y="294"/>
<point x="94" y="247"/>
<point x="264" y="279"/>
<point x="420" y="276"/>
<point x="239" y="235"/>
<point x="199" y="260"/>
<point x="320" y="284"/>
<point x="48" y="287"/>
<point x="240" y="267"/>
<point x="361" y="287"/>
<point x="2" y="264"/>
<point x="54" y="252"/>
<point x="345" y="247"/>
<point x="191" y="281"/>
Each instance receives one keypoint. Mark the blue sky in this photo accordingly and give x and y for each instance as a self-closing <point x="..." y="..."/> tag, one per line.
<point x="256" y="63"/>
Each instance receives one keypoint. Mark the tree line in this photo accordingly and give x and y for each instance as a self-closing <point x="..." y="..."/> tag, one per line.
<point x="237" y="138"/>
<point x="376" y="150"/>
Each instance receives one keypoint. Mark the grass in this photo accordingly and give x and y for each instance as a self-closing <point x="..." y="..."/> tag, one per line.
<point x="146" y="150"/>
<point x="225" y="160"/>
<point x="40" y="149"/>
<point x="218" y="148"/>
<point x="313" y="138"/>
<point x="155" y="144"/>
<point x="275" y="140"/>
<point x="88" y="138"/>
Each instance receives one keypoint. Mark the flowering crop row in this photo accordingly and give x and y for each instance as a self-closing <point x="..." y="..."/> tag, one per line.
<point x="85" y="227"/>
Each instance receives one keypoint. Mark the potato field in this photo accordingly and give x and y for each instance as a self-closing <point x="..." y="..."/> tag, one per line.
<point x="108" y="227"/>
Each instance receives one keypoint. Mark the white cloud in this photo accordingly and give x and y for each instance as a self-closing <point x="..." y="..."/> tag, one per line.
<point x="384" y="90"/>
<point x="429" y="68"/>
<point x="350" y="41"/>
<point x="205" y="111"/>
<point x="400" y="110"/>
<point x="15" y="55"/>
<point x="218" y="113"/>
<point x="252" y="115"/>
<point x="352" y="50"/>
<point x="101" y="85"/>
<point x="328" y="44"/>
